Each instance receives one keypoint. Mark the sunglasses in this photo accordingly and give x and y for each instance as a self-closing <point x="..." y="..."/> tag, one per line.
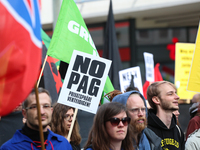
<point x="116" y="121"/>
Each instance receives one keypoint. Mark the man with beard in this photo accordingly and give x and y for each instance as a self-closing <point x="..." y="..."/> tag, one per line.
<point x="144" y="138"/>
<point x="163" y="100"/>
<point x="28" y="137"/>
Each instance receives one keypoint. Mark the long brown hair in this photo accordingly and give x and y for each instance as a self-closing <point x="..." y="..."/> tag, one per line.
<point x="58" y="126"/>
<point x="98" y="136"/>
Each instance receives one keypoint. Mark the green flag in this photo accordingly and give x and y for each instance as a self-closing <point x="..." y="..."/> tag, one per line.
<point x="72" y="34"/>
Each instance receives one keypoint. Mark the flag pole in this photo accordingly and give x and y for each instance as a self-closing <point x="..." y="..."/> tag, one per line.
<point x="45" y="60"/>
<point x="39" y="118"/>
<point x="72" y="124"/>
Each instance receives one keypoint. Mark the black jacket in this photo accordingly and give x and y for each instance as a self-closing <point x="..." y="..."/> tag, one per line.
<point x="172" y="138"/>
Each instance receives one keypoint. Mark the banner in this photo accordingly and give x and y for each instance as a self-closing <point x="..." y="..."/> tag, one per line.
<point x="84" y="81"/>
<point x="149" y="66"/>
<point x="184" y="54"/>
<point x="71" y="34"/>
<point x="126" y="77"/>
<point x="111" y="50"/>
<point x="194" y="75"/>
<point x="20" y="51"/>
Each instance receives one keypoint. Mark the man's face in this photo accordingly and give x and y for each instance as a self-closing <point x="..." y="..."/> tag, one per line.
<point x="168" y="98"/>
<point x="137" y="111"/>
<point x="31" y="113"/>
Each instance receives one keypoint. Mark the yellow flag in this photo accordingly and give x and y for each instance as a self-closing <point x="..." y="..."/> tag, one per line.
<point x="184" y="54"/>
<point x="194" y="76"/>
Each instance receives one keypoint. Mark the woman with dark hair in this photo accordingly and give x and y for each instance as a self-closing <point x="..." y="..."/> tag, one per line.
<point x="110" y="130"/>
<point x="61" y="121"/>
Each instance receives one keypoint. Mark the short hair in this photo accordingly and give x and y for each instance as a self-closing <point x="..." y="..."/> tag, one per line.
<point x="153" y="90"/>
<point x="131" y="89"/>
<point x="40" y="90"/>
<point x="196" y="98"/>
<point x="58" y="126"/>
<point x="98" y="136"/>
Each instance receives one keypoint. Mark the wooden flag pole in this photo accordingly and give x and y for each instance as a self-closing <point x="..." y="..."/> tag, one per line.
<point x="45" y="60"/>
<point x="72" y="125"/>
<point x="39" y="118"/>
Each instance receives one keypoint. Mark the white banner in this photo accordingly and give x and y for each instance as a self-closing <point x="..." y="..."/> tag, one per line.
<point x="149" y="66"/>
<point x="84" y="81"/>
<point x="126" y="75"/>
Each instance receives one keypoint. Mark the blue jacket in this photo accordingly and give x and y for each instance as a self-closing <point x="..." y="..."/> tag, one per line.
<point x="21" y="142"/>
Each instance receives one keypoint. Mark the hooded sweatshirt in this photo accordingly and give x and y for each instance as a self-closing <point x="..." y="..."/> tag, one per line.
<point x="172" y="138"/>
<point x="148" y="139"/>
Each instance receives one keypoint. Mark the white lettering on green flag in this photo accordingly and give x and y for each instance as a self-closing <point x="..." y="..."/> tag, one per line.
<point x="72" y="34"/>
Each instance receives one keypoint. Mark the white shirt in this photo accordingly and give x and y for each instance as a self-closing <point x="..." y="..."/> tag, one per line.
<point x="193" y="141"/>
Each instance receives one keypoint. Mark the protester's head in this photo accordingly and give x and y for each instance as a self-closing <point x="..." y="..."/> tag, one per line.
<point x="193" y="110"/>
<point x="61" y="122"/>
<point x="162" y="94"/>
<point x="176" y="113"/>
<point x="196" y="98"/>
<point x="137" y="109"/>
<point x="130" y="88"/>
<point x="112" y="94"/>
<point x="110" y="125"/>
<point x="29" y="110"/>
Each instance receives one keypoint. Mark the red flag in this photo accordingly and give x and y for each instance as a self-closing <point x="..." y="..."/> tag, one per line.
<point x="157" y="77"/>
<point x="157" y="74"/>
<point x="20" y="51"/>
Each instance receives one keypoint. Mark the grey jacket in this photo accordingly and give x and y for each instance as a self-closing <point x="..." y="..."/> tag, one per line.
<point x="154" y="140"/>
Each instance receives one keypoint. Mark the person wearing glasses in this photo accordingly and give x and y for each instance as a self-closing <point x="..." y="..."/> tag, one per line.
<point x="143" y="137"/>
<point x="29" y="137"/>
<point x="61" y="122"/>
<point x="110" y="130"/>
<point x="163" y="100"/>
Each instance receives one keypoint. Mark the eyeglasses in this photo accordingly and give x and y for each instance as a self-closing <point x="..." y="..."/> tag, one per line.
<point x="116" y="121"/>
<point x="68" y="117"/>
<point x="137" y="110"/>
<point x="45" y="106"/>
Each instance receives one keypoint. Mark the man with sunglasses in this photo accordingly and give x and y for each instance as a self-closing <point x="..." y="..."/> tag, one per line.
<point x="163" y="100"/>
<point x="143" y="137"/>
<point x="28" y="137"/>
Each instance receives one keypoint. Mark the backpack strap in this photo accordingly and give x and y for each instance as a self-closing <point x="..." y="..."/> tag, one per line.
<point x="179" y="130"/>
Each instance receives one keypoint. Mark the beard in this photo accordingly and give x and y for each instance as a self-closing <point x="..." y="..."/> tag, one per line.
<point x="167" y="106"/>
<point x="138" y="127"/>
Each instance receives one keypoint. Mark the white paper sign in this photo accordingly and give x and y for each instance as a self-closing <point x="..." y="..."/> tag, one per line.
<point x="125" y="77"/>
<point x="84" y="81"/>
<point x="149" y="66"/>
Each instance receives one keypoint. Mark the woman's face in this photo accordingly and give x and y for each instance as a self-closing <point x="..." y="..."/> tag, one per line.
<point x="118" y="132"/>
<point x="68" y="118"/>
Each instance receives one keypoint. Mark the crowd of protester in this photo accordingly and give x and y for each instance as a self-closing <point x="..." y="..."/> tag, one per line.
<point x="126" y="123"/>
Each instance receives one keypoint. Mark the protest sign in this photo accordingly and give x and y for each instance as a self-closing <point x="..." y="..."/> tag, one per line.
<point x="84" y="81"/>
<point x="71" y="34"/>
<point x="184" y="54"/>
<point x="127" y="75"/>
<point x="149" y="66"/>
<point x="194" y="75"/>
